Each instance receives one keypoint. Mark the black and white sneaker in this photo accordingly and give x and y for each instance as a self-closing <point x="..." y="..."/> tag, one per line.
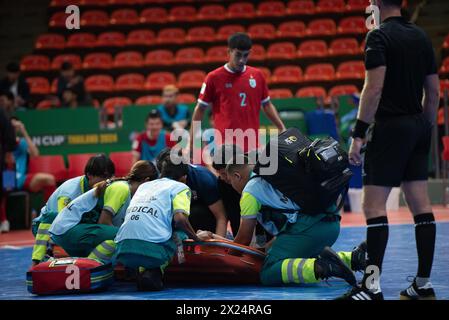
<point x="358" y="258"/>
<point x="330" y="265"/>
<point x="418" y="293"/>
<point x="360" y="294"/>
<point x="150" y="280"/>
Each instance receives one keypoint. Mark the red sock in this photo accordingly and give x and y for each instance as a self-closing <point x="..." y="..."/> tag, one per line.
<point x="3" y="209"/>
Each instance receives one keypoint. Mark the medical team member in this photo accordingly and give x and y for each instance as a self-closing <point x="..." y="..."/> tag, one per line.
<point x="97" y="169"/>
<point x="88" y="225"/>
<point x="146" y="241"/>
<point x="300" y="251"/>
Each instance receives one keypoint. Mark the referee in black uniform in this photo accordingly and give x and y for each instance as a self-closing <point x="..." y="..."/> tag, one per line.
<point x="398" y="105"/>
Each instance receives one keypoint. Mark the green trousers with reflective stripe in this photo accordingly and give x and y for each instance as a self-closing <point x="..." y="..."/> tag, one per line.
<point x="42" y="236"/>
<point x="104" y="251"/>
<point x="83" y="239"/>
<point x="291" y="259"/>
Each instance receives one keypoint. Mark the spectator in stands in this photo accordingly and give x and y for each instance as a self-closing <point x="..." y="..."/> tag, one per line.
<point x="75" y="83"/>
<point x="148" y="144"/>
<point x="69" y="98"/>
<point x="7" y="145"/>
<point x="25" y="147"/>
<point x="7" y="103"/>
<point x="16" y="84"/>
<point x="173" y="114"/>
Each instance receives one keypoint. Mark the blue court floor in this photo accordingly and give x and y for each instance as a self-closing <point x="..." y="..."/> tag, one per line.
<point x="399" y="263"/>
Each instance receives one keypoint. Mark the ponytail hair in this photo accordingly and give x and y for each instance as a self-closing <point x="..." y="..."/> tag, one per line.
<point x="141" y="171"/>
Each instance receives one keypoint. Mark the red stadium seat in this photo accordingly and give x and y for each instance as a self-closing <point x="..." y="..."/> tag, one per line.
<point x="303" y="7"/>
<point x="271" y="9"/>
<point x="158" y="80"/>
<point x="128" y="59"/>
<point x="241" y="10"/>
<point x="287" y="74"/>
<point x="124" y="17"/>
<point x="171" y="35"/>
<point x="45" y="105"/>
<point x="291" y="29"/>
<point x="343" y="90"/>
<point x="95" y="2"/>
<point x="266" y="73"/>
<point x="186" y="98"/>
<point x="81" y="40"/>
<point x="154" y="15"/>
<point x="444" y="86"/>
<point x="50" y="41"/>
<point x="130" y="82"/>
<point x="94" y="18"/>
<point x="74" y="59"/>
<point x="312" y="49"/>
<point x="281" y="50"/>
<point x="58" y="20"/>
<point x="100" y="83"/>
<point x="321" y="27"/>
<point x="148" y="100"/>
<point x="258" y="52"/>
<point x="63" y="3"/>
<point x="123" y="162"/>
<point x="346" y="46"/>
<point x="35" y="62"/>
<point x="48" y="164"/>
<point x="330" y="6"/>
<point x="351" y="70"/>
<point x="191" y="79"/>
<point x="141" y="38"/>
<point x="77" y="162"/>
<point x="357" y="5"/>
<point x="111" y="103"/>
<point x="311" y="92"/>
<point x="38" y="85"/>
<point x="98" y="61"/>
<point x="224" y="32"/>
<point x="111" y="39"/>
<point x="352" y="25"/>
<point x="446" y="42"/>
<point x="211" y="12"/>
<point x="201" y="34"/>
<point x="280" y="93"/>
<point x="182" y="14"/>
<point x="262" y="31"/>
<point x="54" y="86"/>
<point x="445" y="66"/>
<point x="320" y="72"/>
<point x="217" y="54"/>
<point x="159" y="57"/>
<point x="191" y="55"/>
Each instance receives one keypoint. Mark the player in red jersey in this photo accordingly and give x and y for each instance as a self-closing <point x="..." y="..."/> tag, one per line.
<point x="236" y="93"/>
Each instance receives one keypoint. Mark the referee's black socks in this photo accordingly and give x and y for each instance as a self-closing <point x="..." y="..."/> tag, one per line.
<point x="376" y="238"/>
<point x="425" y="231"/>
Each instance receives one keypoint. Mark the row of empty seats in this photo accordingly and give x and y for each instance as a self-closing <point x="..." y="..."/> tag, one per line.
<point x="185" y="13"/>
<point x="444" y="69"/>
<point x="76" y="162"/>
<point x="194" y="55"/>
<point x="146" y="37"/>
<point x="193" y="79"/>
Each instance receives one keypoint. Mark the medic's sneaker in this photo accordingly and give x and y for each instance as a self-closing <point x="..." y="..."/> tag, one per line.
<point x="4" y="227"/>
<point x="418" y="293"/>
<point x="358" y="259"/>
<point x="330" y="265"/>
<point x="360" y="294"/>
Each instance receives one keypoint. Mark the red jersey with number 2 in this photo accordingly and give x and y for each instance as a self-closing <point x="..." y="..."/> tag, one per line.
<point x="235" y="97"/>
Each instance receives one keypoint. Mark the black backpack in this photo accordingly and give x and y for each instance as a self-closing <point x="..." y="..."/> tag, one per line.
<point x="313" y="174"/>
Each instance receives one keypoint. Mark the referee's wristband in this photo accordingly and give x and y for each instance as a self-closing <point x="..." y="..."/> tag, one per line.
<point x="360" y="129"/>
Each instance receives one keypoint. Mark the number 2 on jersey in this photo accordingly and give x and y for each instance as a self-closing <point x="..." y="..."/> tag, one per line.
<point x="243" y="101"/>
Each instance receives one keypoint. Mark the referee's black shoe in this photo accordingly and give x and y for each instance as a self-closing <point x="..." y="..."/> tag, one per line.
<point x="358" y="257"/>
<point x="361" y="294"/>
<point x="329" y="264"/>
<point x="418" y="293"/>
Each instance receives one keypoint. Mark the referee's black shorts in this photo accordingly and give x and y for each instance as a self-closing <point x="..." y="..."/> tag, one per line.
<point x="398" y="151"/>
